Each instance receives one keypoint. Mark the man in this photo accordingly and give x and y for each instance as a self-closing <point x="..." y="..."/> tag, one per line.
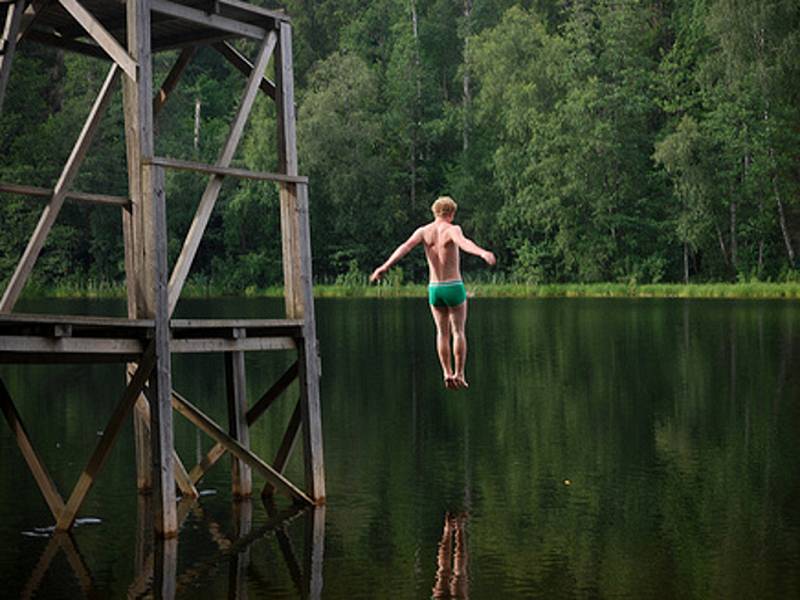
<point x="448" y="297"/>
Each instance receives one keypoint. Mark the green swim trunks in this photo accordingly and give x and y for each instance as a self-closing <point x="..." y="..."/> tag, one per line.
<point x="447" y="293"/>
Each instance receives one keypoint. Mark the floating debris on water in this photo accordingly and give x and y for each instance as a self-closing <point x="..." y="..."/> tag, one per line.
<point x="567" y="482"/>
<point x="40" y="532"/>
<point x="88" y="521"/>
<point x="208" y="492"/>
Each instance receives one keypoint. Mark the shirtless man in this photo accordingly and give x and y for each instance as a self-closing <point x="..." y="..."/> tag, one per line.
<point x="446" y="293"/>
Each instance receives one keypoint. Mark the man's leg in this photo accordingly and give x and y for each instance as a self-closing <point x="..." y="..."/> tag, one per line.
<point x="442" y="320"/>
<point x="458" y="322"/>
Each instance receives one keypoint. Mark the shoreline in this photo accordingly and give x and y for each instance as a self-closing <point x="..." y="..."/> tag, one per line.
<point x="733" y="291"/>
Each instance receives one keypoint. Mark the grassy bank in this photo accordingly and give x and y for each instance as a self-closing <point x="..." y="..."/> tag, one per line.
<point x="753" y="290"/>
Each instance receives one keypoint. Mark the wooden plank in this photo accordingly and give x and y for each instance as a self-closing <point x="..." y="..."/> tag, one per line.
<point x="255" y="411"/>
<point x="35" y="464"/>
<point x="188" y="165"/>
<point x="8" y="44"/>
<point x="110" y="323"/>
<point x="211" y="20"/>
<point x="249" y="324"/>
<point x="86" y="345"/>
<point x="51" y="211"/>
<point x="67" y="516"/>
<point x="236" y="388"/>
<point x="201" y="345"/>
<point x="172" y="78"/>
<point x="197" y="228"/>
<point x="200" y="420"/>
<point x="83" y="197"/>
<point x="100" y="35"/>
<point x="244" y="66"/>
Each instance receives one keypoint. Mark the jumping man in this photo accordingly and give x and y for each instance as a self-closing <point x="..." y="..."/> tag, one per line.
<point x="446" y="292"/>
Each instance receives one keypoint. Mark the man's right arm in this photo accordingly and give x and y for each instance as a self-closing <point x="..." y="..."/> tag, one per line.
<point x="400" y="252"/>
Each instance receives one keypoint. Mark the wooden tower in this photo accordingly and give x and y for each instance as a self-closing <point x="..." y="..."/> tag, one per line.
<point x="127" y="33"/>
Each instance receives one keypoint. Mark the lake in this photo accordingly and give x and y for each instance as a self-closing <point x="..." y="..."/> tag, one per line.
<point x="605" y="449"/>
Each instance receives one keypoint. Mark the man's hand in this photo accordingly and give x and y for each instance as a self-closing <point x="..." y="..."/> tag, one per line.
<point x="377" y="274"/>
<point x="489" y="258"/>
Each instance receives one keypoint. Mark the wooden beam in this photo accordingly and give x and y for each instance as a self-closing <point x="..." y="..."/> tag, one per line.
<point x="101" y="35"/>
<point x="200" y="420"/>
<point x="97" y="460"/>
<point x="286" y="447"/>
<point x="56" y="41"/>
<point x="32" y="344"/>
<point x="172" y="78"/>
<point x="51" y="211"/>
<point x="8" y="43"/>
<point x="252" y="9"/>
<point x="211" y="20"/>
<point x="35" y="464"/>
<point x="188" y="165"/>
<point x="200" y="345"/>
<point x="197" y="228"/>
<point x="236" y="387"/>
<point x="240" y="62"/>
<point x="255" y="411"/>
<point x="87" y="198"/>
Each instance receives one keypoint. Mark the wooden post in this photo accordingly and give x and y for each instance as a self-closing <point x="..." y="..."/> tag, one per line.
<point x="296" y="240"/>
<point x="8" y="44"/>
<point x="160" y="396"/>
<point x="241" y="475"/>
<point x="315" y="551"/>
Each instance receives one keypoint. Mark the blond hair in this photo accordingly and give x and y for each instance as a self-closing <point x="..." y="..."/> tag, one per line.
<point x="444" y="206"/>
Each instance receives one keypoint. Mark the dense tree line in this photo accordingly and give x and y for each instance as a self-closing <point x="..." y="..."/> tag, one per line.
<point x="605" y="140"/>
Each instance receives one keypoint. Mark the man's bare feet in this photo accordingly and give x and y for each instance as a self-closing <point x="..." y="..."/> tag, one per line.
<point x="461" y="382"/>
<point x="450" y="382"/>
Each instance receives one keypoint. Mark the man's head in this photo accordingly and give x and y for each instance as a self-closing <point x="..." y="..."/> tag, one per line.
<point x="444" y="207"/>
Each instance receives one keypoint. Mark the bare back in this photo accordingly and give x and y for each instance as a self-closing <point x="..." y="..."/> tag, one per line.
<point x="441" y="250"/>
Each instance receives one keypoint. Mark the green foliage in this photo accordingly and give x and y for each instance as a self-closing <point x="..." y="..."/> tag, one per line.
<point x="585" y="141"/>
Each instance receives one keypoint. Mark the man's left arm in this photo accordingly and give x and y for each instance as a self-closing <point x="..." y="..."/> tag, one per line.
<point x="467" y="245"/>
<point x="403" y="249"/>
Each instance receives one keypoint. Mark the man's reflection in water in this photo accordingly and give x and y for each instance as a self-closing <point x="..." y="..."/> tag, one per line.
<point x="452" y="579"/>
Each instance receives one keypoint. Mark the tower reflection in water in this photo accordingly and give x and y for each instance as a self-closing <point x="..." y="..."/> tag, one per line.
<point x="452" y="560"/>
<point x="156" y="559"/>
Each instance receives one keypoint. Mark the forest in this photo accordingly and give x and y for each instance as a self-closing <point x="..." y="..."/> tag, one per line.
<point x="584" y="141"/>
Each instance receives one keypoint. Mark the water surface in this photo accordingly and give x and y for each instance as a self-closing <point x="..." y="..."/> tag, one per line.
<point x="605" y="448"/>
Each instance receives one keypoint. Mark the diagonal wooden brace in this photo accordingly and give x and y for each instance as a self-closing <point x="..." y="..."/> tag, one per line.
<point x="255" y="411"/>
<point x="193" y="414"/>
<point x="110" y="433"/>
<point x="192" y="242"/>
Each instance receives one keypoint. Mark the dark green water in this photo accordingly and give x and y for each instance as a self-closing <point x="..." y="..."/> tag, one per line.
<point x="606" y="448"/>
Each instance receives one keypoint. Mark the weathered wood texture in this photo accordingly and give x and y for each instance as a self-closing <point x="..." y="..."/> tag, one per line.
<point x="242" y="64"/>
<point x="100" y="35"/>
<point x="236" y="385"/>
<point x="297" y="269"/>
<point x="196" y="416"/>
<point x="187" y="165"/>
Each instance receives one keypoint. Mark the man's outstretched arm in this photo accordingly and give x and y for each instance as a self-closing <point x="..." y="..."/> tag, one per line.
<point x="467" y="245"/>
<point x="400" y="252"/>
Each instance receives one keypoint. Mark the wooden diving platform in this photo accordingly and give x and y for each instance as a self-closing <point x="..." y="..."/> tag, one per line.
<point x="127" y="34"/>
